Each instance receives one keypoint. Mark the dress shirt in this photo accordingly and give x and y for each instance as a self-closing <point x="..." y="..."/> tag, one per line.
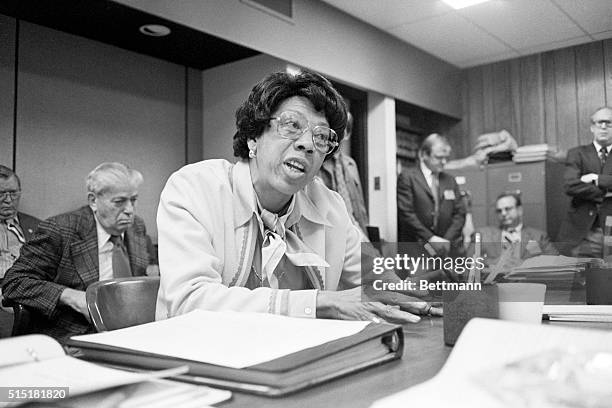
<point x="511" y="235"/>
<point x="598" y="147"/>
<point x="10" y="245"/>
<point x="427" y="173"/>
<point x="105" y="252"/>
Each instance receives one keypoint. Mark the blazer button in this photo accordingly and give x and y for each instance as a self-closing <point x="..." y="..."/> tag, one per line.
<point x="591" y="213"/>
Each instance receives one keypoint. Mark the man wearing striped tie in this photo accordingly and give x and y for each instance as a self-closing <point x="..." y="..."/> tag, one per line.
<point x="15" y="227"/>
<point x="70" y="251"/>
<point x="510" y="241"/>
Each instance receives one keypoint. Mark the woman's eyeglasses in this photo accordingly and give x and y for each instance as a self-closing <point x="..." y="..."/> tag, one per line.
<point x="292" y="125"/>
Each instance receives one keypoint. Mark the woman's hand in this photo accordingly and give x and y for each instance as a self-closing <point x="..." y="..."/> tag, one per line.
<point x="388" y="306"/>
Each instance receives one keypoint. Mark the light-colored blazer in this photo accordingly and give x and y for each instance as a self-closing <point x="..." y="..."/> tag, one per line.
<point x="207" y="234"/>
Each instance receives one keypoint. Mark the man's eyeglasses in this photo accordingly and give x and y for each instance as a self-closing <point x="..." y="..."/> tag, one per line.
<point x="13" y="195"/>
<point x="292" y="125"/>
<point x="603" y="124"/>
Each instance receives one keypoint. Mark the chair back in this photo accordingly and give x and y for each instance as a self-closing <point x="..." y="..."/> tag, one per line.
<point x="123" y="302"/>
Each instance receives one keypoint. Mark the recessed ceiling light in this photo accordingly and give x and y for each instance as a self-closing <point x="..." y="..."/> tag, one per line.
<point x="459" y="4"/>
<point x="154" y="30"/>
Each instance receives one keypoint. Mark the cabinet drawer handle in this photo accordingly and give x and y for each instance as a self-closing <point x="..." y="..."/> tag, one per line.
<point x="515" y="177"/>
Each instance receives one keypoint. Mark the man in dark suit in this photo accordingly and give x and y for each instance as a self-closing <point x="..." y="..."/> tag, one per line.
<point x="71" y="251"/>
<point x="430" y="209"/>
<point x="511" y="237"/>
<point x="16" y="228"/>
<point x="588" y="181"/>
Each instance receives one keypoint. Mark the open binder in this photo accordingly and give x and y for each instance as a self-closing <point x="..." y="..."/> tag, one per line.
<point x="374" y="344"/>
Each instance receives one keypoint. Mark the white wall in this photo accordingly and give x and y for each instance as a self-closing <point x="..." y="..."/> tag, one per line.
<point x="81" y="103"/>
<point x="7" y="89"/>
<point x="382" y="163"/>
<point x="327" y="40"/>
<point x="225" y="88"/>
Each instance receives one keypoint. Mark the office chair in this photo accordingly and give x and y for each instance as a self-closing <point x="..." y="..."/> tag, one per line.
<point x="22" y="318"/>
<point x="124" y="302"/>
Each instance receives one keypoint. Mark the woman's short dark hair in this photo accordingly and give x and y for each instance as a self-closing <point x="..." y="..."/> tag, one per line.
<point x="253" y="116"/>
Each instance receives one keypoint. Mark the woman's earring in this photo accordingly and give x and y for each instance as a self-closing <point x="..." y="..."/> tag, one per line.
<point x="252" y="153"/>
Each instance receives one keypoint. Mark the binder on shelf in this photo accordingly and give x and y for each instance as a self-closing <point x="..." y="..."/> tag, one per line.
<point x="194" y="340"/>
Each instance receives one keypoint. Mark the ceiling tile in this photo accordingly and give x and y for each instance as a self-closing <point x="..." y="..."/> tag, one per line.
<point x="594" y="16"/>
<point x="523" y="23"/>
<point x="390" y="13"/>
<point x="556" y="45"/>
<point x="451" y="38"/>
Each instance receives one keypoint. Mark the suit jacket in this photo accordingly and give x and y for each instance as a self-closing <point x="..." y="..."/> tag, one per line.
<point x="588" y="203"/>
<point x="353" y="185"/>
<point x="28" y="224"/>
<point x="415" y="205"/>
<point x="64" y="254"/>
<point x="206" y="266"/>
<point x="492" y="245"/>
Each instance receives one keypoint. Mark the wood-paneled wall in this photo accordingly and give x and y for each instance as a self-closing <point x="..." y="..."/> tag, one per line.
<point x="541" y="98"/>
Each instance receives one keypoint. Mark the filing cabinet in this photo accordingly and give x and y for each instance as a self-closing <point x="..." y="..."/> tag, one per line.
<point x="540" y="183"/>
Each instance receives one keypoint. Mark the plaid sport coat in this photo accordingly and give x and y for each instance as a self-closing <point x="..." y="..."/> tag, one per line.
<point x="63" y="253"/>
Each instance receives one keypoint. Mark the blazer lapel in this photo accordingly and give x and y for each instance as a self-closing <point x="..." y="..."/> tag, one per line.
<point x="85" y="251"/>
<point x="593" y="164"/>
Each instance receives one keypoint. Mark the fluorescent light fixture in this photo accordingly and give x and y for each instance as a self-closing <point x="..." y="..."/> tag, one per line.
<point x="459" y="4"/>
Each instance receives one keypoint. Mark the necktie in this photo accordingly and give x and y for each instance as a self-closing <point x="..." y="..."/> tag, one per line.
<point x="15" y="230"/>
<point x="511" y="241"/>
<point x="279" y="241"/>
<point x="121" y="263"/>
<point x="603" y="155"/>
<point x="436" y="197"/>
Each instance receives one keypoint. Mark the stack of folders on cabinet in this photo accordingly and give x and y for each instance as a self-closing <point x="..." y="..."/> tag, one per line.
<point x="503" y="364"/>
<point x="251" y="352"/>
<point x="37" y="367"/>
<point x="532" y="153"/>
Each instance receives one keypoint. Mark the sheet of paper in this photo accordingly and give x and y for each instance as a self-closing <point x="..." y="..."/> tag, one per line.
<point x="150" y="394"/>
<point x="24" y="349"/>
<point x="80" y="376"/>
<point x="220" y="337"/>
<point x="484" y="344"/>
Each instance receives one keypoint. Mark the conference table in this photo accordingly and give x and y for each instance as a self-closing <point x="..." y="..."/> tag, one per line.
<point x="424" y="355"/>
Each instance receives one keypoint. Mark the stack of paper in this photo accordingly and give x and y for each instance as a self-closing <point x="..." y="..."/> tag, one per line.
<point x="532" y="153"/>
<point x="548" y="267"/>
<point x="578" y="313"/>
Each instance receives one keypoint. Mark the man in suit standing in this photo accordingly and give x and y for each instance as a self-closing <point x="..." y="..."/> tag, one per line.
<point x="16" y="228"/>
<point x="588" y="182"/>
<point x="511" y="237"/>
<point x="71" y="251"/>
<point x="430" y="208"/>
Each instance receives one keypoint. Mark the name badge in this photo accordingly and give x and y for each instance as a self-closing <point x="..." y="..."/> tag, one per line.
<point x="449" y="194"/>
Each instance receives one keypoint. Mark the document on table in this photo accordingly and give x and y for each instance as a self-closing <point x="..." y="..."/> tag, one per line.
<point x="485" y="344"/>
<point x="268" y="336"/>
<point x="80" y="376"/>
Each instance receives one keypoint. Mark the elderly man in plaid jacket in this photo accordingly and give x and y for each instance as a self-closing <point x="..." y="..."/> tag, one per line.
<point x="71" y="251"/>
